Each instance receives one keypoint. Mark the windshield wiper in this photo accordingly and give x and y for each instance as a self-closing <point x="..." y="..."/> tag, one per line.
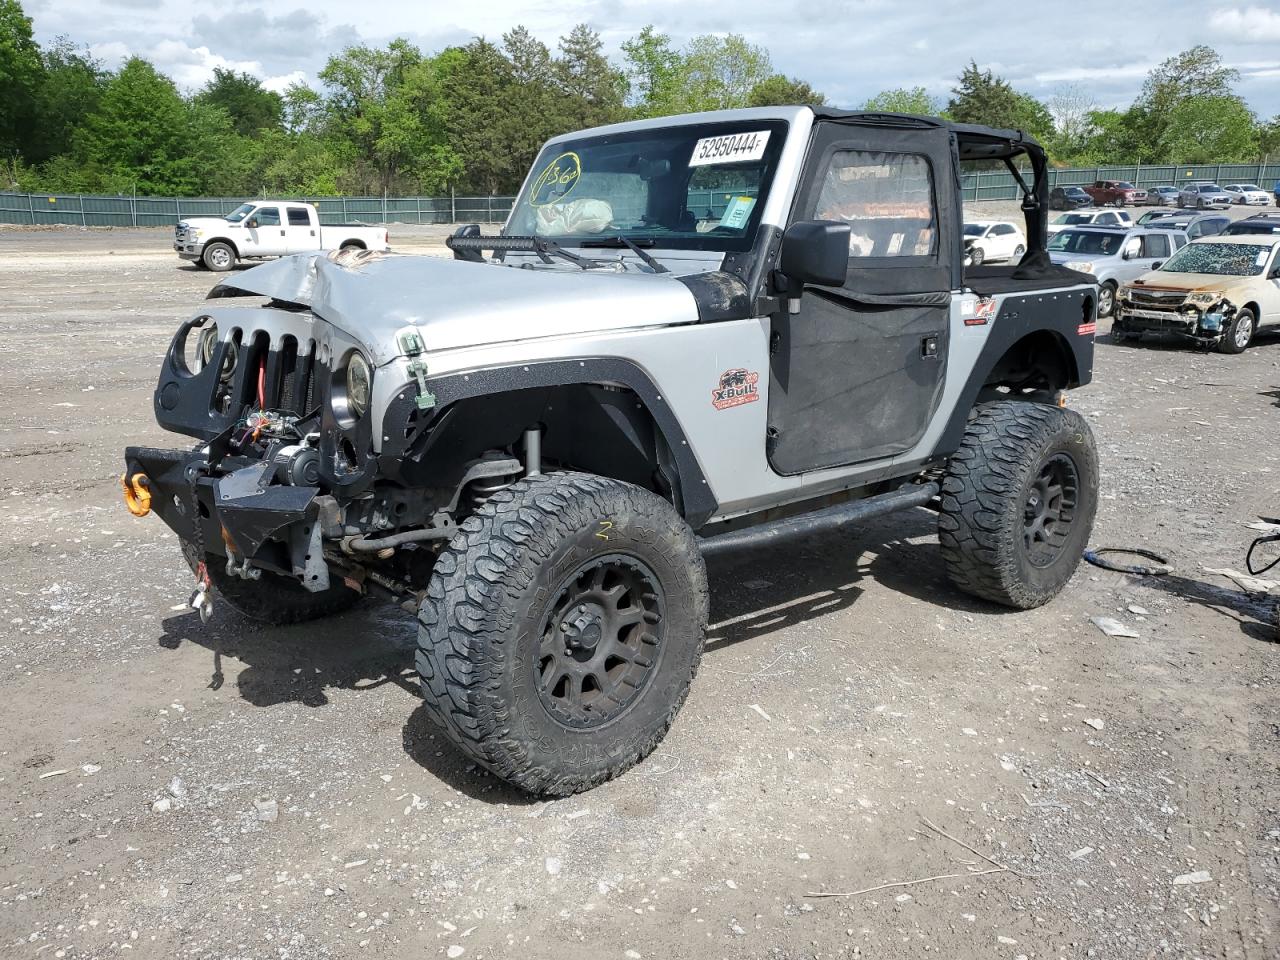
<point x="472" y="247"/>
<point x="621" y="241"/>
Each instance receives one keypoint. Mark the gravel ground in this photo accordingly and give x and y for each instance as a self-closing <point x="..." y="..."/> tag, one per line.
<point x="227" y="791"/>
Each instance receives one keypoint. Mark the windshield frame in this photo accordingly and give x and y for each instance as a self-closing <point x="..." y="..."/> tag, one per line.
<point x="779" y="131"/>
<point x="1260" y="271"/>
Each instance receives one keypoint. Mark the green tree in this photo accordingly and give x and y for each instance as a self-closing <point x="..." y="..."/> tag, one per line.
<point x="1269" y="140"/>
<point x="718" y="73"/>
<point x="241" y="95"/>
<point x="475" y="84"/>
<point x="1168" y="101"/>
<point x="593" y="90"/>
<point x="368" y="121"/>
<point x="21" y="75"/>
<point x="984" y="98"/>
<point x="653" y="69"/>
<point x="902" y="100"/>
<point x="779" y="90"/>
<point x="142" y="136"/>
<point x="71" y="90"/>
<point x="535" y="101"/>
<point x="1210" y="129"/>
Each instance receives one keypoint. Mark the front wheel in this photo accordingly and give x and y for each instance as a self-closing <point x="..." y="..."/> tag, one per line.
<point x="1018" y="502"/>
<point x="1106" y="299"/>
<point x="976" y="256"/>
<point x="218" y="256"/>
<point x="1018" y="251"/>
<point x="561" y="630"/>
<point x="1239" y="333"/>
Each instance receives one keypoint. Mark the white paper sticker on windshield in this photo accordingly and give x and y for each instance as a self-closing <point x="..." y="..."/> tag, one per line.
<point x="731" y="148"/>
<point x="737" y="212"/>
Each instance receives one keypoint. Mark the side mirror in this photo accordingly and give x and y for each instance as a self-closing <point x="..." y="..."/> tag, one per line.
<point x="252" y="223"/>
<point x="815" y="251"/>
<point x="1156" y="264"/>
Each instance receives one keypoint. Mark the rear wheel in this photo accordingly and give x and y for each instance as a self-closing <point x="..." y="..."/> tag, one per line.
<point x="218" y="256"/>
<point x="272" y="599"/>
<point x="1018" y="502"/>
<point x="1239" y="333"/>
<point x="561" y="629"/>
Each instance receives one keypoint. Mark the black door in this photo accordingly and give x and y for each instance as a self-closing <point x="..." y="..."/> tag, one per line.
<point x="858" y="372"/>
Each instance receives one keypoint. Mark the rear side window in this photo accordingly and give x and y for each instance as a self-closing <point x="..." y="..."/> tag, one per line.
<point x="886" y="198"/>
<point x="1155" y="245"/>
<point x="299" y="217"/>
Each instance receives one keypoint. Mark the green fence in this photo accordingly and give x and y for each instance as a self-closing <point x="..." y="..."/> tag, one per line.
<point x="1000" y="185"/>
<point x="99" y="211"/>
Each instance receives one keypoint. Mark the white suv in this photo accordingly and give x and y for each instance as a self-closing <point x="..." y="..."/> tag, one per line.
<point x="1090" y="218"/>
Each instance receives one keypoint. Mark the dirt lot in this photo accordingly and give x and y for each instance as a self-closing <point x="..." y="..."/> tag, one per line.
<point x="174" y="790"/>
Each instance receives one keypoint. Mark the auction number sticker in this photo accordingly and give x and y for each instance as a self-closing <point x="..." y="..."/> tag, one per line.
<point x="731" y="148"/>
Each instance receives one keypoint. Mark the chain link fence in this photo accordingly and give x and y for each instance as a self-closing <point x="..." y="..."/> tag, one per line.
<point x="102" y="211"/>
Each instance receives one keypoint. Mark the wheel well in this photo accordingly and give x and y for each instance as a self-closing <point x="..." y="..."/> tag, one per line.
<point x="1039" y="361"/>
<point x="1252" y="307"/>
<point x="604" y="429"/>
<point x="227" y="240"/>
<point x="358" y="244"/>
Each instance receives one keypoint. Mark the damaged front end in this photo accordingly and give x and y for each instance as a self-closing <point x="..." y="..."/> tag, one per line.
<point x="1200" y="316"/>
<point x="283" y="480"/>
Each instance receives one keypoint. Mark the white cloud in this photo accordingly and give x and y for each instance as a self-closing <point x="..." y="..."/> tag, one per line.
<point x="1250" y="25"/>
<point x="282" y="83"/>
<point x="192" y="67"/>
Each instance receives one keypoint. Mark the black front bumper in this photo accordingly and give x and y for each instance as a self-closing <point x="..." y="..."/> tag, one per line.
<point x="238" y="508"/>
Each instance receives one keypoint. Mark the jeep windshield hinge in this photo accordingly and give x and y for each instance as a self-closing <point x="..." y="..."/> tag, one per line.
<point x="412" y="347"/>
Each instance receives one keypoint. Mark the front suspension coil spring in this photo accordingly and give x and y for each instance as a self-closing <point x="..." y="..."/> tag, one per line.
<point x="481" y="490"/>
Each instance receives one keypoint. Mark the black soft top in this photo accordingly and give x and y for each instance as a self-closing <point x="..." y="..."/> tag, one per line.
<point x="974" y="142"/>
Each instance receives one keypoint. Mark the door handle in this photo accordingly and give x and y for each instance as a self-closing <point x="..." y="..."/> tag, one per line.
<point x="282" y="233"/>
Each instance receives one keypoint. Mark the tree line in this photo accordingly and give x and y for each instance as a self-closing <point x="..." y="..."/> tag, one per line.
<point x="398" y="121"/>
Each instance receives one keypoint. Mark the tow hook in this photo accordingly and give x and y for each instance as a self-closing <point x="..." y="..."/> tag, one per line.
<point x="202" y="600"/>
<point x="137" y="496"/>
<point x="242" y="569"/>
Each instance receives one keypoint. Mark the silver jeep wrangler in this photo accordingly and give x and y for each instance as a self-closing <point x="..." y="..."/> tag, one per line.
<point x="687" y="326"/>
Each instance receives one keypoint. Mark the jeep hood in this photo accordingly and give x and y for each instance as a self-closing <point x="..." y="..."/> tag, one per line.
<point x="455" y="303"/>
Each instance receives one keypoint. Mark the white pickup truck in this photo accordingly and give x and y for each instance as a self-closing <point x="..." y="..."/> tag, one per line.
<point x="268" y="228"/>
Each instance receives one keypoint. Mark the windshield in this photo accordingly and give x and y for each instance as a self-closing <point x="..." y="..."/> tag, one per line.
<point x="693" y="187"/>
<point x="1210" y="188"/>
<point x="239" y="213"/>
<point x="1080" y="241"/>
<point x="1253" y="226"/>
<point x="974" y="229"/>
<point x="1223" y="259"/>
<point x="1070" y="218"/>
<point x="1124" y="185"/>
<point x="1249" y="187"/>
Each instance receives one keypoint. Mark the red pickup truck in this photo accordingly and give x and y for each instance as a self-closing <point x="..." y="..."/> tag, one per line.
<point x="1118" y="192"/>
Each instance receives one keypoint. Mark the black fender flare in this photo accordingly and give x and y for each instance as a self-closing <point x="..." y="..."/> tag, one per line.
<point x="695" y="499"/>
<point x="1060" y="313"/>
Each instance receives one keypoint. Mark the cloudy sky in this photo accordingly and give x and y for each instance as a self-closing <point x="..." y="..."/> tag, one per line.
<point x="849" y="49"/>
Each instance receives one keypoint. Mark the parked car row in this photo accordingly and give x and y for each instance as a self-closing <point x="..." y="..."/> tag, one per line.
<point x="1198" y="194"/>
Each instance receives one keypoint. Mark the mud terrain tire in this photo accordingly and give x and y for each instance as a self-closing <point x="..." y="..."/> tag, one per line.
<point x="539" y="585"/>
<point x="1018" y="502"/>
<point x="274" y="599"/>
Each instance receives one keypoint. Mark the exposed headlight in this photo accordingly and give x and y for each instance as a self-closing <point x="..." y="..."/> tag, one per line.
<point x="208" y="344"/>
<point x="1084" y="266"/>
<point x="359" y="384"/>
<point x="1211" y="296"/>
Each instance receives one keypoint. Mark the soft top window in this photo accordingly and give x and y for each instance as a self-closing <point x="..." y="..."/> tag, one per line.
<point x="887" y="199"/>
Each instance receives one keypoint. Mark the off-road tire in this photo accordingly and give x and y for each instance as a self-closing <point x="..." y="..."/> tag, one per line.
<point x="274" y="600"/>
<point x="488" y="606"/>
<point x="212" y="256"/>
<point x="1229" y="342"/>
<point x="986" y="495"/>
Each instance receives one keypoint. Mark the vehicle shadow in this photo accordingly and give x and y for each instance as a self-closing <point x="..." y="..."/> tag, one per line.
<point x="754" y="591"/>
<point x="1256" y="615"/>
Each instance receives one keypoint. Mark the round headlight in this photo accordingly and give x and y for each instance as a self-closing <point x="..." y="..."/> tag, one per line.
<point x="208" y="341"/>
<point x="359" y="384"/>
<point x="208" y="344"/>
